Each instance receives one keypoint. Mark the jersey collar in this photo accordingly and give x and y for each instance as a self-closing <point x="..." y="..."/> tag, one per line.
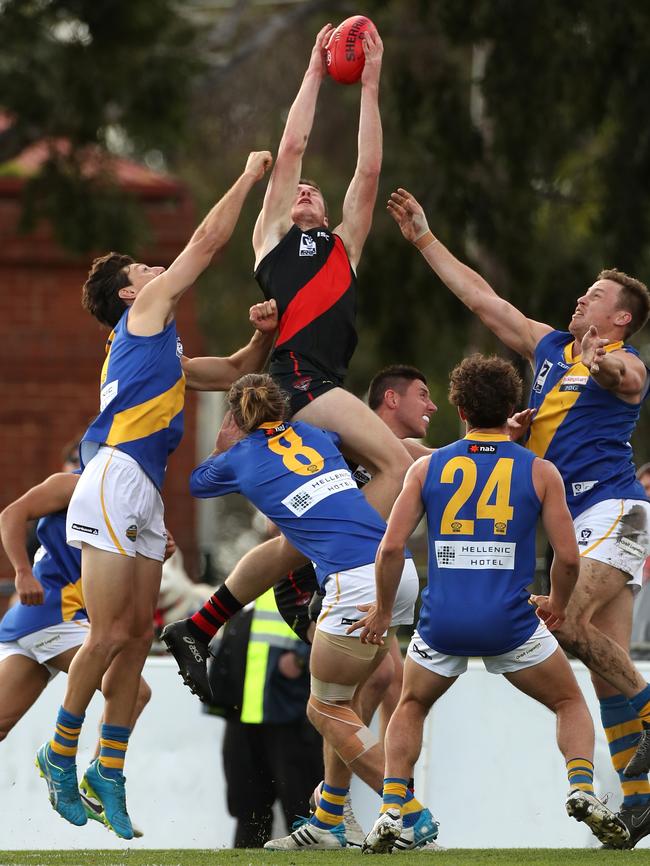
<point x="569" y="359"/>
<point x="487" y="437"/>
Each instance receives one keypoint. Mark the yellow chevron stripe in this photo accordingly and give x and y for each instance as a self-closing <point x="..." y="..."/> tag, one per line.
<point x="147" y="418"/>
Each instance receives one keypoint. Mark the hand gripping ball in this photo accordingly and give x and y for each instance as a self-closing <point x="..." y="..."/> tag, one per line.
<point x="344" y="55"/>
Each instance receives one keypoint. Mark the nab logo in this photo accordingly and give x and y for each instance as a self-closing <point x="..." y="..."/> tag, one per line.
<point x="482" y="449"/>
<point x="307" y="245"/>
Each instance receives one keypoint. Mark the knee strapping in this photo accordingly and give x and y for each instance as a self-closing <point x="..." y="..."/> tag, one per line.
<point x="358" y="741"/>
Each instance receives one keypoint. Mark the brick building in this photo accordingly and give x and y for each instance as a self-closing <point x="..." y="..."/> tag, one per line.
<point x="51" y="350"/>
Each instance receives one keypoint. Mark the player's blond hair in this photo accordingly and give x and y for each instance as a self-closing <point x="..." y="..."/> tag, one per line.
<point x="255" y="399"/>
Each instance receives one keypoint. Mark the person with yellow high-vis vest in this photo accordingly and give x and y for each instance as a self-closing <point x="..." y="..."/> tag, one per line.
<point x="270" y="752"/>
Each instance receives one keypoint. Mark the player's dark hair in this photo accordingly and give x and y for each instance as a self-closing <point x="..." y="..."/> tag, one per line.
<point x="488" y="390"/>
<point x="312" y="183"/>
<point x="397" y="377"/>
<point x="100" y="291"/>
<point x="633" y="297"/>
<point x="255" y="399"/>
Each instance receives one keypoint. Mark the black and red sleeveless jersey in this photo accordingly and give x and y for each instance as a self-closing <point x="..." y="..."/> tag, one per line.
<point x="310" y="277"/>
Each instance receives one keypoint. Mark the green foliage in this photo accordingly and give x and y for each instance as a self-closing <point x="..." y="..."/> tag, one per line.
<point x="81" y="71"/>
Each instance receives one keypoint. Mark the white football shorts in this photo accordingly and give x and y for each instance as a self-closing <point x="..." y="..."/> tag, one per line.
<point x="347" y="589"/>
<point x="47" y="643"/>
<point x="616" y="532"/>
<point x="539" y="646"/>
<point x="117" y="507"/>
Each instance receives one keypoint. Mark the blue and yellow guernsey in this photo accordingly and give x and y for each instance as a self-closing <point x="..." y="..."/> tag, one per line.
<point x="141" y="399"/>
<point x="57" y="566"/>
<point x="482" y="512"/>
<point x="582" y="428"/>
<point x="296" y="476"/>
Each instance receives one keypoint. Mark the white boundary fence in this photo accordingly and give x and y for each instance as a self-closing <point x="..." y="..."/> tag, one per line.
<point x="490" y="771"/>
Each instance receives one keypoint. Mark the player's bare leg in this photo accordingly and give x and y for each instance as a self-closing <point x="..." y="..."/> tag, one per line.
<point x="366" y="440"/>
<point x="553" y="684"/>
<point x="22" y="681"/>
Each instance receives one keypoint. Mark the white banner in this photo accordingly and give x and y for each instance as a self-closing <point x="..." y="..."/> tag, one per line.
<point x="475" y="554"/>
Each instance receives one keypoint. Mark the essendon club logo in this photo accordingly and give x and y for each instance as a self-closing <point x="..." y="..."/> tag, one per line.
<point x="302" y="383"/>
<point x="481" y="448"/>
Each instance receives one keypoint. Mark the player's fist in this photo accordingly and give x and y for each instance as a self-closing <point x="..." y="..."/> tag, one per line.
<point x="264" y="316"/>
<point x="258" y="163"/>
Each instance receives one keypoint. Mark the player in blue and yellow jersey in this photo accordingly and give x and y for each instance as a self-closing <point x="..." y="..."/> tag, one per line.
<point x="296" y="475"/>
<point x="116" y="512"/>
<point x="482" y="497"/>
<point x="41" y="634"/>
<point x="588" y="388"/>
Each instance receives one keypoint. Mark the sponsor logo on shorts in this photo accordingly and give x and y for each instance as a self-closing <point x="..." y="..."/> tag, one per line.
<point x="544" y="370"/>
<point x="420" y="652"/>
<point x="475" y="448"/>
<point x="49" y="641"/>
<point x="582" y="486"/>
<point x="361" y="476"/>
<point x="91" y="530"/>
<point x="631" y="547"/>
<point x="307" y="245"/>
<point x="346" y="621"/>
<point x="132" y="532"/>
<point x="528" y="651"/>
<point x="476" y="554"/>
<point x="302" y="383"/>
<point x="585" y="535"/>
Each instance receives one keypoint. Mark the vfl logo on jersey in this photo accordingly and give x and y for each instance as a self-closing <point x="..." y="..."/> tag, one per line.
<point x="179" y="347"/>
<point x="574" y="383"/>
<point x="302" y="383"/>
<point x="132" y="532"/>
<point x="475" y="448"/>
<point x="585" y="535"/>
<point x="582" y="487"/>
<point x="544" y="370"/>
<point x="307" y="245"/>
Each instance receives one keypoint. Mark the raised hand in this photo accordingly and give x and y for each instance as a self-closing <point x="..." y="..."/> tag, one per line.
<point x="519" y="423"/>
<point x="258" y="163"/>
<point x="264" y="316"/>
<point x="593" y="351"/>
<point x="317" y="59"/>
<point x="228" y="434"/>
<point x="373" y="627"/>
<point x="408" y="214"/>
<point x="373" y="48"/>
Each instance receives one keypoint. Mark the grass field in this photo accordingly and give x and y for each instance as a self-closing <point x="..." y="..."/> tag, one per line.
<point x="248" y="857"/>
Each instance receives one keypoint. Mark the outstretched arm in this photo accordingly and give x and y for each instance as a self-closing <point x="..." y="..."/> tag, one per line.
<point x="405" y="516"/>
<point x="155" y="303"/>
<point x="361" y="196"/>
<point x="502" y="318"/>
<point x="218" y="374"/>
<point x="50" y="496"/>
<point x="275" y="218"/>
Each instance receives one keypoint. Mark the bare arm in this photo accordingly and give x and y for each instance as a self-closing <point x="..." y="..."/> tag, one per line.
<point x="619" y="371"/>
<point x="275" y="218"/>
<point x="50" y="496"/>
<point x="154" y="305"/>
<point x="218" y="374"/>
<point x="361" y="196"/>
<point x="502" y="318"/>
<point x="404" y="517"/>
<point x="559" y="529"/>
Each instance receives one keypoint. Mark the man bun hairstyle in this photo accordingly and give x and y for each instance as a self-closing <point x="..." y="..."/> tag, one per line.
<point x="99" y="295"/>
<point x="488" y="390"/>
<point x="633" y="297"/>
<point x="255" y="399"/>
<point x="397" y="377"/>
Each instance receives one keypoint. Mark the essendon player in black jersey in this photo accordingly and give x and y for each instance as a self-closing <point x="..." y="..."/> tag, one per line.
<point x="310" y="270"/>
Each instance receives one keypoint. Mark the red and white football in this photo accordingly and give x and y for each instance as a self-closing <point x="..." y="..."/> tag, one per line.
<point x="344" y="55"/>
